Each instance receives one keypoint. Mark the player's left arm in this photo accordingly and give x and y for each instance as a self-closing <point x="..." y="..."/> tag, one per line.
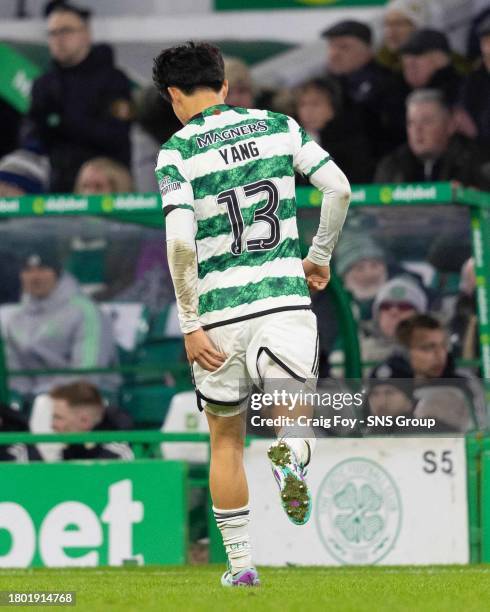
<point x="180" y="226"/>
<point x="316" y="164"/>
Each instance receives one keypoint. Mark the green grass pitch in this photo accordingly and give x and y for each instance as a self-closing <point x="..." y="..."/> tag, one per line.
<point x="197" y="588"/>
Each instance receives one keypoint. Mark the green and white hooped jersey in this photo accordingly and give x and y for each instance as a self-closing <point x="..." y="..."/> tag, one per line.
<point x="234" y="169"/>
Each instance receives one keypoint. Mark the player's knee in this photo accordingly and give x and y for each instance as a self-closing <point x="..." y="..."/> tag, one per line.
<point x="226" y="432"/>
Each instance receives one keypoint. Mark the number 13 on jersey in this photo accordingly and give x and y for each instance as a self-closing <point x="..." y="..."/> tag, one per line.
<point x="266" y="213"/>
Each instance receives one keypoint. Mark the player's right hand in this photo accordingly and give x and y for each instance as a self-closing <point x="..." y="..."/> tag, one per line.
<point x="317" y="277"/>
<point x="199" y="348"/>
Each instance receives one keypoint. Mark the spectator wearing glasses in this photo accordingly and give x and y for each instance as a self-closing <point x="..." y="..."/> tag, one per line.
<point x="81" y="108"/>
<point x="399" y="299"/>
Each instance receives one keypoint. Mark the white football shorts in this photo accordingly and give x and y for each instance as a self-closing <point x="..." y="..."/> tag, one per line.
<point x="277" y="345"/>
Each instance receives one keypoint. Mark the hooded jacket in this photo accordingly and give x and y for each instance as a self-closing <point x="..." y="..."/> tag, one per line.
<point x="63" y="330"/>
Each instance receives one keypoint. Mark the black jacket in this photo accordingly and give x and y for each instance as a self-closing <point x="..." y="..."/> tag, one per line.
<point x="78" y="113"/>
<point x="462" y="161"/>
<point x="346" y="141"/>
<point x="377" y="96"/>
<point x="475" y="99"/>
<point x="113" y="420"/>
<point x="449" y="81"/>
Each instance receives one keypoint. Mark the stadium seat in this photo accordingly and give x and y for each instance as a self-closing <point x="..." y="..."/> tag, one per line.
<point x="183" y="416"/>
<point x="41" y="421"/>
<point x="130" y="323"/>
<point x="163" y="355"/>
<point x="147" y="404"/>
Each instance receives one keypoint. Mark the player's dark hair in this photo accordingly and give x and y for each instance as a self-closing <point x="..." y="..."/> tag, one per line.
<point x="405" y="329"/>
<point x="189" y="67"/>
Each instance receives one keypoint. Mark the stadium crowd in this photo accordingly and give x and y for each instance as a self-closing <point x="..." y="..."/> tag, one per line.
<point x="410" y="110"/>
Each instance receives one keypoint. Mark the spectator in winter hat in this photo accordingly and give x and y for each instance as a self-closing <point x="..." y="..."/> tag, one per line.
<point x="23" y="172"/>
<point x="400" y="20"/>
<point x="361" y="263"/>
<point x="399" y="299"/>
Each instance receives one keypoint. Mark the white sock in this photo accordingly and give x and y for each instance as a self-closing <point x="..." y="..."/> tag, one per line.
<point x="233" y="524"/>
<point x="303" y="447"/>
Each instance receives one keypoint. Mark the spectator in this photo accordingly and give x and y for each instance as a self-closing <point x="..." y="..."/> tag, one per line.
<point x="475" y="97"/>
<point x="399" y="299"/>
<point x="369" y="89"/>
<point x="55" y="326"/>
<point x="427" y="64"/>
<point x="433" y="152"/>
<point x="23" y="172"/>
<point x="240" y="84"/>
<point x="79" y="407"/>
<point x="81" y="108"/>
<point x="103" y="175"/>
<point x="12" y="420"/>
<point x="451" y="396"/>
<point x="388" y="394"/>
<point x="400" y="20"/>
<point x="319" y="112"/>
<point x="361" y="263"/>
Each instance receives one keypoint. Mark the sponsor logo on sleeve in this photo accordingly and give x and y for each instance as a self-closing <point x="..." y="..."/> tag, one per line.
<point x="168" y="184"/>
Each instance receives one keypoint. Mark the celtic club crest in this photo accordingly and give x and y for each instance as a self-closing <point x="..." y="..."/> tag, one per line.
<point x="358" y="512"/>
